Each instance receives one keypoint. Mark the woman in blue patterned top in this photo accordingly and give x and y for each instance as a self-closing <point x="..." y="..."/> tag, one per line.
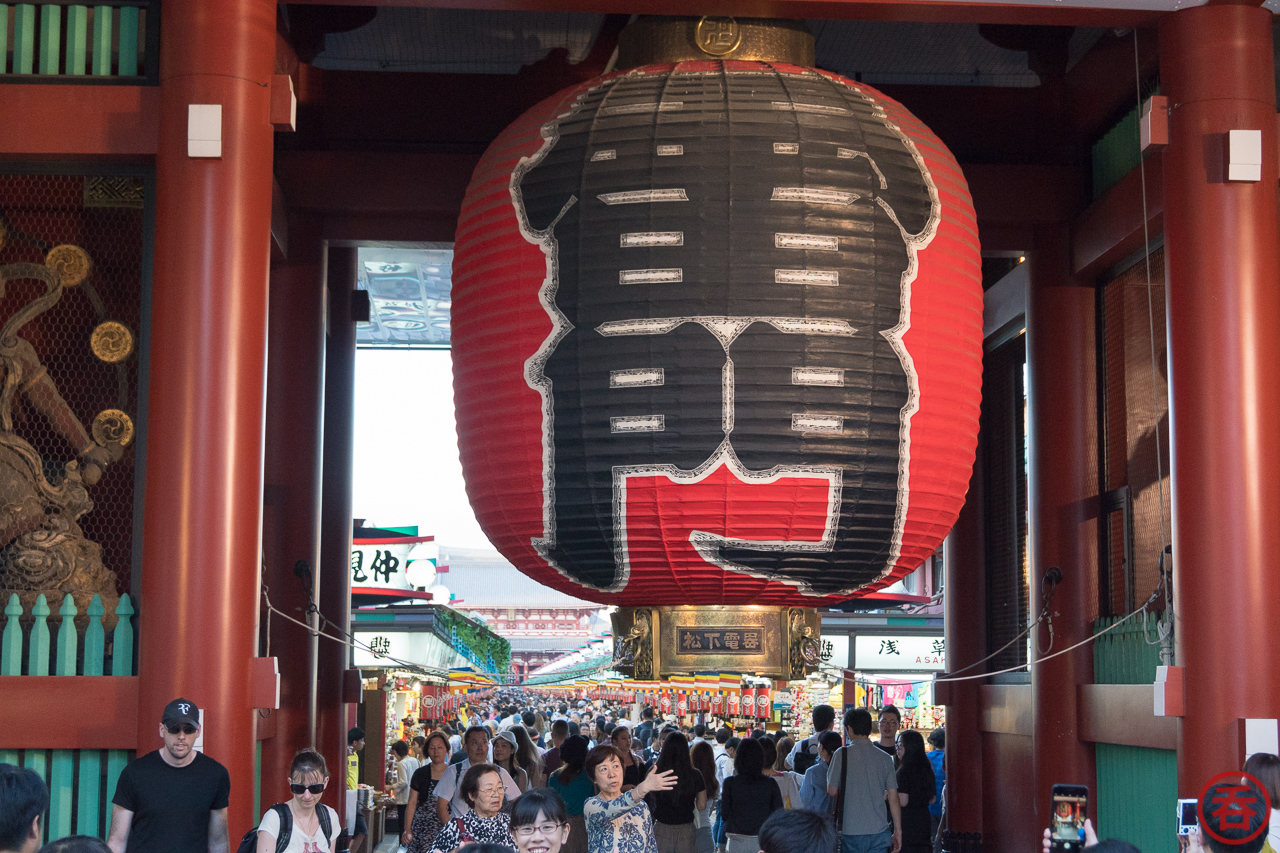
<point x="620" y="822"/>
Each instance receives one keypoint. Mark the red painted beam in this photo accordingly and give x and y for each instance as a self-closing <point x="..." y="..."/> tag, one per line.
<point x="870" y="10"/>
<point x="1026" y="195"/>
<point x="1101" y="88"/>
<point x="1111" y="228"/>
<point x="75" y="712"/>
<point x="416" y="196"/>
<point x="374" y="182"/>
<point x="56" y="121"/>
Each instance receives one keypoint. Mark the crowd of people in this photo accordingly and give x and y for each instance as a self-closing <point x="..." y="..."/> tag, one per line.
<point x="646" y="785"/>
<point x="588" y="780"/>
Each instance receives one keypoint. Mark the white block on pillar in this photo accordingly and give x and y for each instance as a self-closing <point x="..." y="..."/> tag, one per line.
<point x="1244" y="155"/>
<point x="204" y="130"/>
<point x="1261" y="736"/>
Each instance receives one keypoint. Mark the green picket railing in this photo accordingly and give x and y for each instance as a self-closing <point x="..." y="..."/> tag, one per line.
<point x="80" y="780"/>
<point x="112" y="41"/>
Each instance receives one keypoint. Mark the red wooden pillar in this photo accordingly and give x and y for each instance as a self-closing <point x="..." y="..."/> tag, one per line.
<point x="1222" y="262"/>
<point x="199" y="607"/>
<point x="966" y="633"/>
<point x="1062" y="495"/>
<point x="335" y="525"/>
<point x="291" y="488"/>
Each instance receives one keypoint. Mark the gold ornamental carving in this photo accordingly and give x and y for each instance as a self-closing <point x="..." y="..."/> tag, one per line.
<point x="633" y="653"/>
<point x="773" y="642"/>
<point x="125" y="191"/>
<point x="112" y="426"/>
<point x="111" y="342"/>
<point x="653" y="39"/>
<point x="805" y="650"/>
<point x="43" y="550"/>
<point x="70" y="262"/>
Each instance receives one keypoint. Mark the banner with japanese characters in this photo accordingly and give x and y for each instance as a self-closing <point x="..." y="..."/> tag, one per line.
<point x="384" y="563"/>
<point x="909" y="653"/>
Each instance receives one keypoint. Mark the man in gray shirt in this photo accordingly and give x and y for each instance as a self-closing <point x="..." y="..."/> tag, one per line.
<point x="869" y="782"/>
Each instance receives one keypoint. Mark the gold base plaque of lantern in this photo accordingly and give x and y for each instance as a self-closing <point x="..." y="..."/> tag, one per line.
<point x="772" y="642"/>
<point x="657" y="38"/>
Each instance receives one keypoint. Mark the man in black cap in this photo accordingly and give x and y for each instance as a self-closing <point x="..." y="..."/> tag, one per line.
<point x="175" y="798"/>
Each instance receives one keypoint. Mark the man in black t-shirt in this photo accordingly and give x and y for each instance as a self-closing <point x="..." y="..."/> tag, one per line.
<point x="889" y="723"/>
<point x="172" y="800"/>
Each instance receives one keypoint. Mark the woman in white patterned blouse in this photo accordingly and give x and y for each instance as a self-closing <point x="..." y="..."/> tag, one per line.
<point x="620" y="822"/>
<point x="485" y="824"/>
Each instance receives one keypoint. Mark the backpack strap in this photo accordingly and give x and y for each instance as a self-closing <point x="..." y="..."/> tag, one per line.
<point x="285" y="814"/>
<point x="326" y="825"/>
<point x="844" y="785"/>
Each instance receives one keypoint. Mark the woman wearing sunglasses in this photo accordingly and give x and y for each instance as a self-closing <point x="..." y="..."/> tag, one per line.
<point x="308" y="776"/>
<point x="539" y="822"/>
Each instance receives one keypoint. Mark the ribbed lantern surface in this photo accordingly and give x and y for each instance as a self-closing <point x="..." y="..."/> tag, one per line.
<point x="717" y="335"/>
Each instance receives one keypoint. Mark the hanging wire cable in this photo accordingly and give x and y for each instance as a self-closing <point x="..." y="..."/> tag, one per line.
<point x="1027" y="666"/>
<point x="1164" y="624"/>
<point x="500" y="679"/>
<point x="1151" y="313"/>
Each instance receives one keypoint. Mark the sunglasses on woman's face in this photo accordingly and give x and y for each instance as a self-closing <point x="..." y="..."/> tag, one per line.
<point x="300" y="789"/>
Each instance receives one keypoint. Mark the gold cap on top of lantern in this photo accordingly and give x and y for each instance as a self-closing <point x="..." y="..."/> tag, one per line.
<point x="653" y="39"/>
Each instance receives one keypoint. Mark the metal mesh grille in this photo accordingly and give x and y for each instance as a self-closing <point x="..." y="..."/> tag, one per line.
<point x="1133" y="417"/>
<point x="1004" y="449"/>
<point x="70" y="356"/>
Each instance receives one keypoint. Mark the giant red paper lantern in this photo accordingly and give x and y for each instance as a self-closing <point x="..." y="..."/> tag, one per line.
<point x="717" y="337"/>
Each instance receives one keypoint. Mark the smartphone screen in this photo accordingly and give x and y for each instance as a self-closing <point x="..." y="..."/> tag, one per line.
<point x="1070" y="808"/>
<point x="1188" y="820"/>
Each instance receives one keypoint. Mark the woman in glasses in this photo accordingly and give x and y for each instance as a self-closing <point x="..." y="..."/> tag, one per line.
<point x="309" y="828"/>
<point x="540" y="822"/>
<point x="482" y="790"/>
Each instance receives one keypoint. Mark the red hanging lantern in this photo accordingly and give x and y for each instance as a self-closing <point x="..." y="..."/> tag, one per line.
<point x="764" y="705"/>
<point x="717" y="334"/>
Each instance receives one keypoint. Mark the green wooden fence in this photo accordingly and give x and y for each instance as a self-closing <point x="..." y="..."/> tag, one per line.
<point x="110" y="40"/>
<point x="1137" y="787"/>
<point x="1123" y="656"/>
<point x="81" y="781"/>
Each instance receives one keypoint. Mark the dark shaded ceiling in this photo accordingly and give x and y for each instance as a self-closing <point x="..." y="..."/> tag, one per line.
<point x="456" y="41"/>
